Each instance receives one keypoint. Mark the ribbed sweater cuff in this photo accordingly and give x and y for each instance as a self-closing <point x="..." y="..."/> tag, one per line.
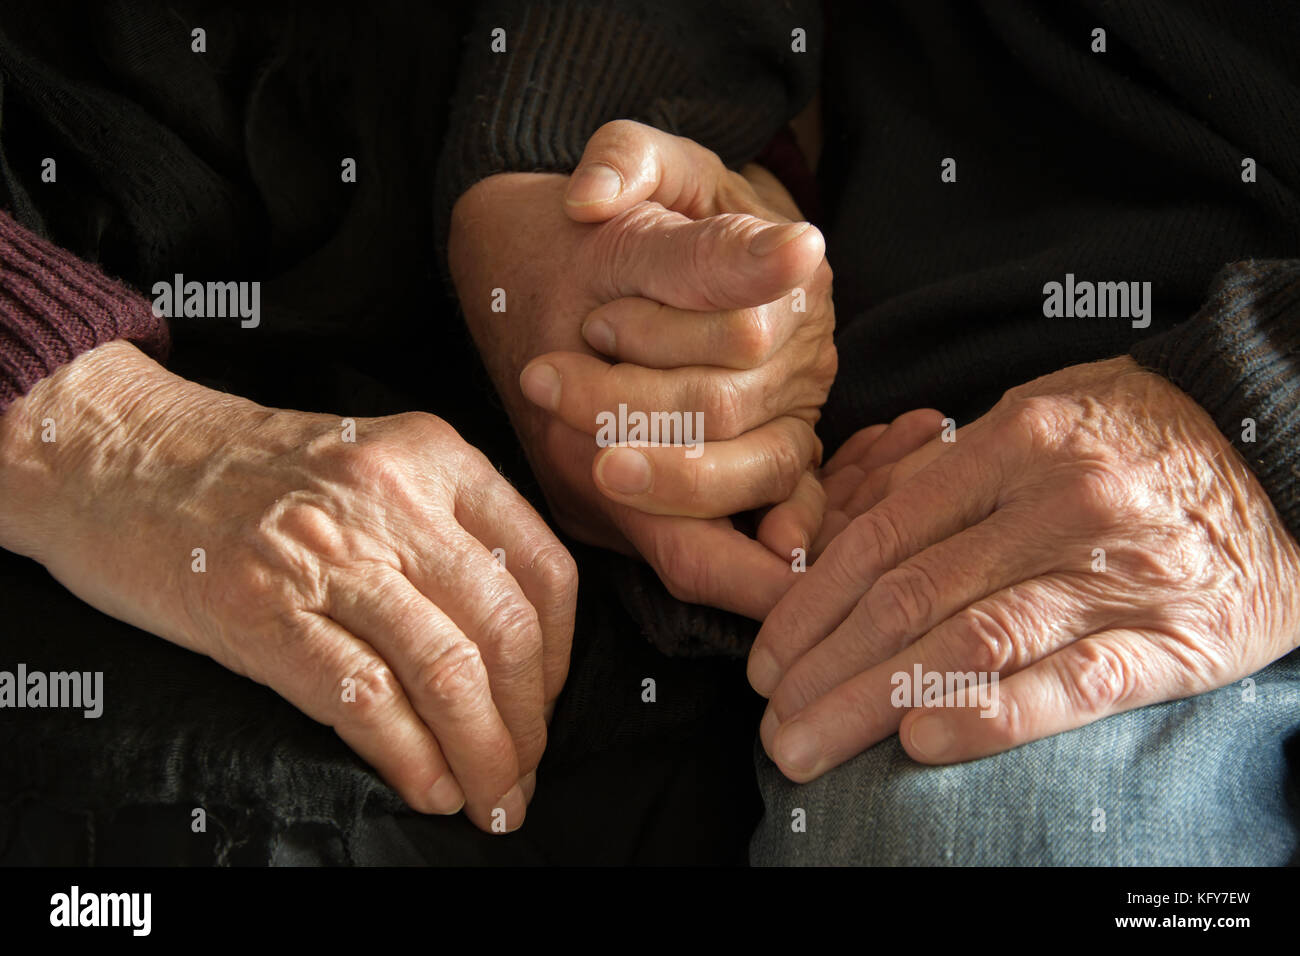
<point x="721" y="72"/>
<point x="54" y="306"/>
<point x="1239" y="357"/>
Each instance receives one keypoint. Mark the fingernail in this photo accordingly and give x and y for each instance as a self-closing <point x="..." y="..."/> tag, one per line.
<point x="446" y="796"/>
<point x="624" y="471"/>
<point x="797" y="747"/>
<point x="763" y="672"/>
<point x="931" y="737"/>
<point x="774" y="237"/>
<point x="529" y="785"/>
<point x="599" y="335"/>
<point x="515" y="806"/>
<point x="593" y="183"/>
<point x="541" y="385"/>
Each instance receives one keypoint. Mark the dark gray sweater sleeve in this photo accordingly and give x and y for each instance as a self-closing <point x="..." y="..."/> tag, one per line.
<point x="1239" y="357"/>
<point x="722" y="72"/>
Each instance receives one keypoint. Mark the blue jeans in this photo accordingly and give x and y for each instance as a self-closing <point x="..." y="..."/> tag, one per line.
<point x="1211" y="780"/>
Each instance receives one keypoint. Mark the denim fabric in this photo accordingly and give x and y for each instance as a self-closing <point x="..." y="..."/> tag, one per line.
<point x="1210" y="780"/>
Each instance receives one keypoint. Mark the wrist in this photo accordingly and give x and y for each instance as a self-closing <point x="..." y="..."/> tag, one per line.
<point x="75" y="433"/>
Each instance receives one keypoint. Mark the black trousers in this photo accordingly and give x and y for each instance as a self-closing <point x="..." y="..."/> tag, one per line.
<point x="623" y="781"/>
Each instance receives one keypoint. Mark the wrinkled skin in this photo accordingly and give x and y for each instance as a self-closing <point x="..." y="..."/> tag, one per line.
<point x="355" y="578"/>
<point x="663" y="281"/>
<point x="985" y="554"/>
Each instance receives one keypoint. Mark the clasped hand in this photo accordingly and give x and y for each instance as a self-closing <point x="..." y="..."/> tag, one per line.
<point x="657" y="280"/>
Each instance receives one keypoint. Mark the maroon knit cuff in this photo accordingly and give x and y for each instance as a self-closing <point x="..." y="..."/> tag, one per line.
<point x="54" y="306"/>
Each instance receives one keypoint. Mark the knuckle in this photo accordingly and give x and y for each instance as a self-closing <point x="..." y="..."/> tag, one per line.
<point x="616" y="131"/>
<point x="376" y="463"/>
<point x="724" y="233"/>
<point x="558" y="573"/>
<point x="800" y="686"/>
<point x="722" y="230"/>
<point x="1094" y="497"/>
<point x="788" y="466"/>
<point x="614" y="244"/>
<point x="987" y="641"/>
<point x="457" y="675"/>
<point x="408" y="430"/>
<point x="903" y="600"/>
<point x="1102" y="679"/>
<point x="701" y="476"/>
<point x="828" y="364"/>
<point x="724" y="405"/>
<point x="377" y="691"/>
<point x="874" y="542"/>
<point x="644" y="216"/>
<point x="815" y="488"/>
<point x="529" y="746"/>
<point x="1031" y="421"/>
<point x="513" y="636"/>
<point x="422" y="422"/>
<point x="752" y="336"/>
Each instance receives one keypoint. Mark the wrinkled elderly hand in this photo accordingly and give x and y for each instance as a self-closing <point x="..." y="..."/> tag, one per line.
<point x="349" y="566"/>
<point x="1093" y="539"/>
<point x="700" y="316"/>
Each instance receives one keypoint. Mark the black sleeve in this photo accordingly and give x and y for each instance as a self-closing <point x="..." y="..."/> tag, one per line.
<point x="1239" y="357"/>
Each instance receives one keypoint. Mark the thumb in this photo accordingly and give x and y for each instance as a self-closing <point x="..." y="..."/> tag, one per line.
<point x="627" y="162"/>
<point x="730" y="261"/>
